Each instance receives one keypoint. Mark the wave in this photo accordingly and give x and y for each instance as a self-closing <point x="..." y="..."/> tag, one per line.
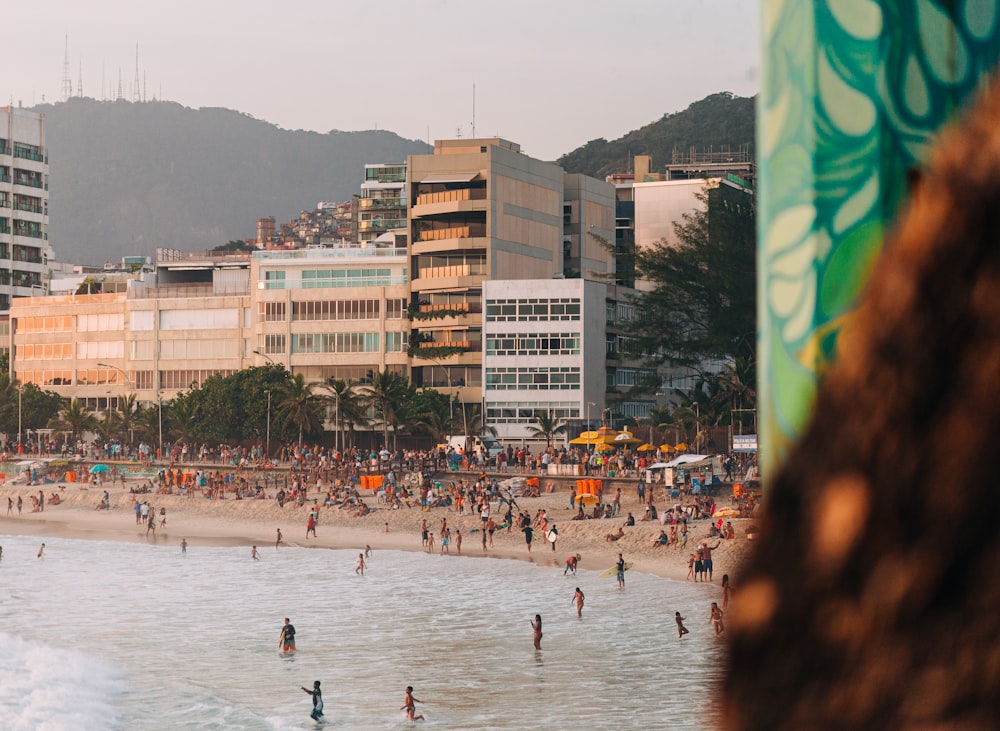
<point x="46" y="688"/>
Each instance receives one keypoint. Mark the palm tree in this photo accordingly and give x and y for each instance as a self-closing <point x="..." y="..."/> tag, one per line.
<point x="546" y="427"/>
<point x="298" y="406"/>
<point x="472" y="414"/>
<point x="182" y="417"/>
<point x="109" y="426"/>
<point x="349" y="405"/>
<point x="388" y="393"/>
<point x="74" y="419"/>
<point x="126" y="414"/>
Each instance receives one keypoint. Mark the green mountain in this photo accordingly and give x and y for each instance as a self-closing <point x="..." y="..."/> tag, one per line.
<point x="717" y="121"/>
<point x="125" y="178"/>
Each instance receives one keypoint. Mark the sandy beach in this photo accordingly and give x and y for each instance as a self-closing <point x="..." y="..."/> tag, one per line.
<point x="204" y="522"/>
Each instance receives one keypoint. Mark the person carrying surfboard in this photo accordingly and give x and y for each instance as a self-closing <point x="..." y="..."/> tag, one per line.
<point x="286" y="640"/>
<point x="552" y="535"/>
<point x="317" y="696"/>
<point x="620" y="566"/>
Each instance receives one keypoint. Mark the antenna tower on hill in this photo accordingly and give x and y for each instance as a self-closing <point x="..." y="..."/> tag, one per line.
<point x="136" y="90"/>
<point x="67" y="82"/>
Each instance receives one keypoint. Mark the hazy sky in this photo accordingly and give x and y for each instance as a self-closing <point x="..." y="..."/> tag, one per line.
<point x="548" y="74"/>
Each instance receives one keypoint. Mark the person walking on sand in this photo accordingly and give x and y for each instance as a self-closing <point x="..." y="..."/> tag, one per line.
<point x="578" y="600"/>
<point x="163" y="516"/>
<point x="536" y="625"/>
<point x="620" y="566"/>
<point x="528" y="533"/>
<point x="409" y="705"/>
<point x="311" y="526"/>
<point x="681" y="629"/>
<point x="151" y="524"/>
<point x="458" y="542"/>
<point x="20" y="504"/>
<point x="10" y="505"/>
<point x="286" y="639"/>
<point x="254" y="554"/>
<point x="553" y="534"/>
<point x="715" y="617"/>
<point x="360" y="570"/>
<point x="279" y="540"/>
<point x="41" y="552"/>
<point x="317" y="696"/>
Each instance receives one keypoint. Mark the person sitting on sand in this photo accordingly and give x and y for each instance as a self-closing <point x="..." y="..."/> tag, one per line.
<point x="661" y="540"/>
<point x="579" y="514"/>
<point x="614" y="536"/>
<point x="630" y="520"/>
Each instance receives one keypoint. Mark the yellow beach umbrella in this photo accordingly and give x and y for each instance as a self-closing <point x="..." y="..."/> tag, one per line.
<point x="645" y="448"/>
<point x="604" y="448"/>
<point x="682" y="447"/>
<point x="666" y="448"/>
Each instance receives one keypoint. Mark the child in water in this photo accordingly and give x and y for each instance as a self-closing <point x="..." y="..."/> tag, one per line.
<point x="681" y="629"/>
<point x="409" y="707"/>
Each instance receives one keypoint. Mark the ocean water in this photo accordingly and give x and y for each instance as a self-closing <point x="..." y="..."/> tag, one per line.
<point x="103" y="635"/>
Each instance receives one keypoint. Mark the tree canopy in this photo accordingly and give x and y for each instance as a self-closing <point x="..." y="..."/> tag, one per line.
<point x="701" y="308"/>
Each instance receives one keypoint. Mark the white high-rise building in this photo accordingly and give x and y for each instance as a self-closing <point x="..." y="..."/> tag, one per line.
<point x="24" y="205"/>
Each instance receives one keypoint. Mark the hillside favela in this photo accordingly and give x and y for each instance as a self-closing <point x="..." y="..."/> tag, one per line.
<point x="690" y="428"/>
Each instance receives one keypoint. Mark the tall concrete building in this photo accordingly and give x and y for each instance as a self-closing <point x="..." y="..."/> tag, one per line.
<point x="24" y="205"/>
<point x="479" y="210"/>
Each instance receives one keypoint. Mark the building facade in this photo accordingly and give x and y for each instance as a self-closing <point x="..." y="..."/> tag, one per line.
<point x="543" y="353"/>
<point x="24" y="205"/>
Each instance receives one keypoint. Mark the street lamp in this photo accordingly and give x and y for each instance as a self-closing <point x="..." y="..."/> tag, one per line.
<point x="159" y="408"/>
<point x="19" y="387"/>
<point x="267" y="443"/>
<point x="268" y="358"/>
<point x="451" y="396"/>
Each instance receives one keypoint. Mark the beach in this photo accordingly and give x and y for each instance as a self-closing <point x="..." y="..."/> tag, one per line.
<point x="231" y="522"/>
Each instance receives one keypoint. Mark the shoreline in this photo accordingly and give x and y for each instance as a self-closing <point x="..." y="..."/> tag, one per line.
<point x="232" y="523"/>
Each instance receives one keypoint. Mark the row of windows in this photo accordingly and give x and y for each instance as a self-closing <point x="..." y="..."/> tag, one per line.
<point x="395" y="309"/>
<point x="628" y="377"/>
<point x="213" y="348"/>
<point x="532" y="379"/>
<point x="336" y="278"/>
<point x="534" y="344"/>
<point x="352" y="374"/>
<point x="335" y="343"/>
<point x="185" y="379"/>
<point x="100" y="323"/>
<point x="524" y="413"/>
<point x="48" y="351"/>
<point x="533" y="310"/>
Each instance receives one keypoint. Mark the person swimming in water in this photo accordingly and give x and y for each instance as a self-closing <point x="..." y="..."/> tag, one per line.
<point x="317" y="696"/>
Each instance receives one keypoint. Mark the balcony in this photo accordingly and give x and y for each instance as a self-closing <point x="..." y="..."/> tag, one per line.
<point x="381" y="223"/>
<point x="30" y="181"/>
<point x="452" y="232"/>
<point x="28" y="152"/>
<point x="382" y="203"/>
<point x="451" y="196"/>
<point x="27" y="207"/>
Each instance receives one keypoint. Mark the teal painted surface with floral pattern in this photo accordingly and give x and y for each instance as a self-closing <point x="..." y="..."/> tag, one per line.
<point x="852" y="93"/>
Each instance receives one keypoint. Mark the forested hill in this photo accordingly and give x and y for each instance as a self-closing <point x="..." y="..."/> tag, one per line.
<point x="717" y="120"/>
<point x="127" y="177"/>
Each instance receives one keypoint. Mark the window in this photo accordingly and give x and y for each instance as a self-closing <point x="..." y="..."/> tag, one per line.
<point x="271" y="311"/>
<point x="335" y="343"/>
<point x="532" y="378"/>
<point x="533" y="310"/>
<point x="396" y="342"/>
<point x="534" y="344"/>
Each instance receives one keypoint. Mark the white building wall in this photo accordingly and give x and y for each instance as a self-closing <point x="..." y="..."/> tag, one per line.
<point x="525" y="325"/>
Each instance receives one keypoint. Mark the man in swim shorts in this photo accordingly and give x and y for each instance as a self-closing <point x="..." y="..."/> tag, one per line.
<point x="317" y="696"/>
<point x="286" y="641"/>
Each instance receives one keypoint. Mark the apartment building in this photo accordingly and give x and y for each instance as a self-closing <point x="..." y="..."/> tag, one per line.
<point x="24" y="205"/>
<point x="332" y="312"/>
<point x="479" y="210"/>
<point x="383" y="203"/>
<point x="543" y="352"/>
